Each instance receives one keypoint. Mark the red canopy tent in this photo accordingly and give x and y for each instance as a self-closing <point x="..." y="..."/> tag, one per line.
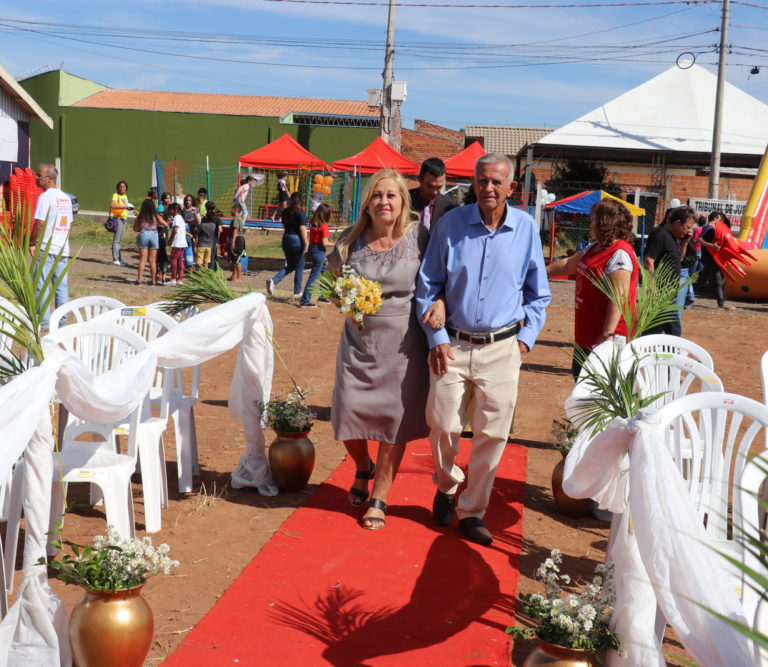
<point x="462" y="165"/>
<point x="282" y="153"/>
<point x="378" y="155"/>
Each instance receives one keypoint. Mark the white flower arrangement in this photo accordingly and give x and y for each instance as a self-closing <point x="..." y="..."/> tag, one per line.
<point x="112" y="563"/>
<point x="355" y="295"/>
<point x="574" y="620"/>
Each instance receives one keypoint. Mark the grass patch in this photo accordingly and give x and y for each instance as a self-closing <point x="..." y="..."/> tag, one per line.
<point x="262" y="244"/>
<point x="87" y="232"/>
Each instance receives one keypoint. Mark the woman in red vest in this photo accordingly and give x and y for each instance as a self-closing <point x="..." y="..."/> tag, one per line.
<point x="611" y="254"/>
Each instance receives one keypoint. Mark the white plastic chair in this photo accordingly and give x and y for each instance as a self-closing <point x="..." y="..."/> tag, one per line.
<point x="182" y="410"/>
<point x="101" y="346"/>
<point x="150" y="324"/>
<point x="709" y="436"/>
<point x="764" y="375"/>
<point x="83" y="309"/>
<point x="663" y="344"/>
<point x="673" y="376"/>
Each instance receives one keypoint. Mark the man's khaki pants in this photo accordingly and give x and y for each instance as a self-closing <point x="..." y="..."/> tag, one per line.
<point x="489" y="373"/>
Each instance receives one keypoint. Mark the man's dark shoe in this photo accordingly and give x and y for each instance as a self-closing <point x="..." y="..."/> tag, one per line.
<point x="475" y="531"/>
<point x="442" y="508"/>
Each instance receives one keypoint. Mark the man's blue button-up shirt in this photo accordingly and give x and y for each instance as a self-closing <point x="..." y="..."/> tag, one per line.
<point x="491" y="279"/>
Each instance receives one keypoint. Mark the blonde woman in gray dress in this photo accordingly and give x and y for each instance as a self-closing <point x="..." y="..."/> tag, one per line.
<point x="382" y="377"/>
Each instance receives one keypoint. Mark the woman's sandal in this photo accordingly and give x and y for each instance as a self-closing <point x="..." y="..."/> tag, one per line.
<point x="375" y="522"/>
<point x="355" y="494"/>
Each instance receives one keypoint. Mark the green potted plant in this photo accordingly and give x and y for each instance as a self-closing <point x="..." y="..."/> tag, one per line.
<point x="291" y="453"/>
<point x="611" y="387"/>
<point x="112" y="623"/>
<point x="573" y="627"/>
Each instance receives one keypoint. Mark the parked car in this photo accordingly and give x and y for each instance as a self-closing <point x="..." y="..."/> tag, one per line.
<point x="75" y="204"/>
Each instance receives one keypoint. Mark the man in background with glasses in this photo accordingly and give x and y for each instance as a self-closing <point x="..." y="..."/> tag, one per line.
<point x="53" y="219"/>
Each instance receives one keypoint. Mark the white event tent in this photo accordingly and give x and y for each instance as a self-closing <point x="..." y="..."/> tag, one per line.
<point x="672" y="113"/>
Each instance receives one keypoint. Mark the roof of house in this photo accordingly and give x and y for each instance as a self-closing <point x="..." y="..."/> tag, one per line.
<point x="233" y="105"/>
<point x="507" y="140"/>
<point x="673" y="111"/>
<point x="23" y="98"/>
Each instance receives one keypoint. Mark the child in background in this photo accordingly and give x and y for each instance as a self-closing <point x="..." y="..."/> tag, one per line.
<point x="241" y="196"/>
<point x="236" y="243"/>
<point x="319" y="242"/>
<point x="283" y="194"/>
<point x="163" y="262"/>
<point x="178" y="245"/>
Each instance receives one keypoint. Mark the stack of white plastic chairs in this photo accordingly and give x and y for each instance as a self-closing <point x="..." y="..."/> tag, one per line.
<point x="662" y="475"/>
<point x="35" y="629"/>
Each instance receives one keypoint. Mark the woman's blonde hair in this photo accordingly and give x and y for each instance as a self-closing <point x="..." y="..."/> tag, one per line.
<point x="404" y="221"/>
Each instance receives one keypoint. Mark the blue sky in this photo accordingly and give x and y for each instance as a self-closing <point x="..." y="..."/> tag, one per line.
<point x="539" y="67"/>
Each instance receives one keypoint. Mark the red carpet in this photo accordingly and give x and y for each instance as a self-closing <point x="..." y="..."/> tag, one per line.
<point x="323" y="591"/>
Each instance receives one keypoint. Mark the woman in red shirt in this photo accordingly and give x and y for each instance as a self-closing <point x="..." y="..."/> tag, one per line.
<point x="319" y="241"/>
<point x="611" y="254"/>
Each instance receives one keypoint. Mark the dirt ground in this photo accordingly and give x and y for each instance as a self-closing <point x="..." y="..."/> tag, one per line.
<point x="215" y="531"/>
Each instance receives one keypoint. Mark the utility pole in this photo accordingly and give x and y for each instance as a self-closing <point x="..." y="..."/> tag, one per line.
<point x="714" y="175"/>
<point x="385" y="121"/>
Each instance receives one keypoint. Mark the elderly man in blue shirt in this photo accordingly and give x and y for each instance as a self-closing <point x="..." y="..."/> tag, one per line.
<point x="486" y="260"/>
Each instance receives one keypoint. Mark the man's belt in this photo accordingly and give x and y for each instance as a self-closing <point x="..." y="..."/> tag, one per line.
<point x="483" y="338"/>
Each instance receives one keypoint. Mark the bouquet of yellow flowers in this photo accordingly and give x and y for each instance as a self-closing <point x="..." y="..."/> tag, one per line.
<point x="355" y="296"/>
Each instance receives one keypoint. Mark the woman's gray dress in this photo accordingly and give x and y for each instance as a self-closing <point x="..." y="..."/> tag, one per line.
<point x="382" y="376"/>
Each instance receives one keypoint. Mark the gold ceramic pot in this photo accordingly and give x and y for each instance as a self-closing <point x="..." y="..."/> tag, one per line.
<point x="112" y="628"/>
<point x="291" y="460"/>
<point x="573" y="507"/>
<point x="551" y="655"/>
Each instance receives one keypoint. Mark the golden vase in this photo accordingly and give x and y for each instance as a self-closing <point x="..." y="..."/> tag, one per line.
<point x="573" y="507"/>
<point x="551" y="655"/>
<point x="291" y="460"/>
<point x="112" y="628"/>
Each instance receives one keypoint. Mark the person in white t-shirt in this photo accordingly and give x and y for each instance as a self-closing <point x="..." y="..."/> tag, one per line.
<point x="178" y="244"/>
<point x="53" y="219"/>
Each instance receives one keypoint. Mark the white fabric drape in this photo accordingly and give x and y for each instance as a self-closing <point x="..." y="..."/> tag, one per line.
<point x="35" y="630"/>
<point x="657" y="545"/>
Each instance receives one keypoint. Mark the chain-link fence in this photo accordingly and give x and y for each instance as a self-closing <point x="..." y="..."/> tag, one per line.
<point x="314" y="187"/>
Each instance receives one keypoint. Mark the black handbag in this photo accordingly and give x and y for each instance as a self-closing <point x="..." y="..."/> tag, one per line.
<point x="111" y="224"/>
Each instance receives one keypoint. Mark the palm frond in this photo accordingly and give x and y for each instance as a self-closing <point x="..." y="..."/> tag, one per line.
<point x="201" y="286"/>
<point x="655" y="299"/>
<point x="22" y="310"/>
<point x="613" y="390"/>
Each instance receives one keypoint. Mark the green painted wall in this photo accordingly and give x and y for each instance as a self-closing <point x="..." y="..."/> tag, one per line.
<point x="98" y="147"/>
<point x="44" y="89"/>
<point x="74" y="88"/>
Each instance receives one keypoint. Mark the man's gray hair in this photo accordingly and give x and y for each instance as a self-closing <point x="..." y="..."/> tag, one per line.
<point x="496" y="158"/>
<point x="49" y="170"/>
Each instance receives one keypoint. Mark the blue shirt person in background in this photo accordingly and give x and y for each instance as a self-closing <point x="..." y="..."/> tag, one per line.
<point x="486" y="260"/>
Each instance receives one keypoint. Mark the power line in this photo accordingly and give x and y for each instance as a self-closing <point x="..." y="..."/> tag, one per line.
<point x="586" y="5"/>
<point x="593" y="53"/>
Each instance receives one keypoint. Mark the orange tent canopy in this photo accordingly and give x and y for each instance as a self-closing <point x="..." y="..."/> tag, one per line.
<point x="282" y="153"/>
<point x="462" y="165"/>
<point x="377" y="155"/>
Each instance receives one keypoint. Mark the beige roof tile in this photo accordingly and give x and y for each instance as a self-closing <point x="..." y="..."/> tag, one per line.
<point x="504" y="139"/>
<point x="233" y="105"/>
